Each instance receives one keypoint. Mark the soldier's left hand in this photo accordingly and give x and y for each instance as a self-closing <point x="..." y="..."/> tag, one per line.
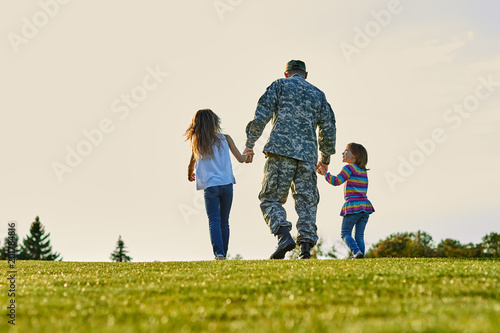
<point x="249" y="152"/>
<point x="321" y="168"/>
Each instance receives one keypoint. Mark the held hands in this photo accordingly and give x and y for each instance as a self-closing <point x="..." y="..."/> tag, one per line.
<point x="321" y="168"/>
<point x="249" y="153"/>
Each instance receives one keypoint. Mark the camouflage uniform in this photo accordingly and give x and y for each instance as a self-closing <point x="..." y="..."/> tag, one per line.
<point x="297" y="109"/>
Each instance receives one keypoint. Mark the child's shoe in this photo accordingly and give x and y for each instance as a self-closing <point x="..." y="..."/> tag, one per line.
<point x="357" y="255"/>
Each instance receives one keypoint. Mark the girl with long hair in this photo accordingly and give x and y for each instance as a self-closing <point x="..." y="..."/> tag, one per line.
<point x="214" y="174"/>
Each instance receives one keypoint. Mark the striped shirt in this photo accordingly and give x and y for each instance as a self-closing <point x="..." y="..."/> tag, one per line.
<point x="356" y="186"/>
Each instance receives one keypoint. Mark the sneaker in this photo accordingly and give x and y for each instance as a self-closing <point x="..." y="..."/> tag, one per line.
<point x="220" y="258"/>
<point x="357" y="255"/>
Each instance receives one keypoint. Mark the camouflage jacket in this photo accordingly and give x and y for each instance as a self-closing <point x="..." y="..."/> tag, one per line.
<point x="296" y="108"/>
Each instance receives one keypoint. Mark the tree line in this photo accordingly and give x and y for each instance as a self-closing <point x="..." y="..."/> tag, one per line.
<point x="420" y="245"/>
<point x="416" y="245"/>
<point x="36" y="246"/>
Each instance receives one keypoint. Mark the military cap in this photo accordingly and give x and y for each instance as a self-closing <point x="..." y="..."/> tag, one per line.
<point x="296" y="64"/>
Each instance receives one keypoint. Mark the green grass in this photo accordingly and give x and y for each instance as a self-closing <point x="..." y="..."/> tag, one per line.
<point x="371" y="295"/>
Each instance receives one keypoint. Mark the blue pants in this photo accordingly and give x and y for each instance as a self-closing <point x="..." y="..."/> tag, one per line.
<point x="350" y="221"/>
<point x="218" y="200"/>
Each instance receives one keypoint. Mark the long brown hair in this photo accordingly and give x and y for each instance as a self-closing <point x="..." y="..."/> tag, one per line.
<point x="203" y="133"/>
<point x="360" y="153"/>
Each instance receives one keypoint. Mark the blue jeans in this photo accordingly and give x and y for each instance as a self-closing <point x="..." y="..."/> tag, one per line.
<point x="218" y="200"/>
<point x="350" y="221"/>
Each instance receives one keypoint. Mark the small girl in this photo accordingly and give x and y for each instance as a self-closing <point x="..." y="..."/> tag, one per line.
<point x="214" y="174"/>
<point x="357" y="207"/>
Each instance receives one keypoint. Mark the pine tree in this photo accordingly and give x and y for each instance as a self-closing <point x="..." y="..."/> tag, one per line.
<point x="120" y="254"/>
<point x="36" y="245"/>
<point x="13" y="248"/>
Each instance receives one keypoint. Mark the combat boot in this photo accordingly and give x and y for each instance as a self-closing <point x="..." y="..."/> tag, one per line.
<point x="285" y="243"/>
<point x="305" y="250"/>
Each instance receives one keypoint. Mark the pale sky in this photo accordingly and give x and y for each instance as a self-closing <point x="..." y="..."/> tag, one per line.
<point x="117" y="82"/>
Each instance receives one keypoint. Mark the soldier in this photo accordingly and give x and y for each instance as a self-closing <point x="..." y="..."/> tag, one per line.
<point x="297" y="109"/>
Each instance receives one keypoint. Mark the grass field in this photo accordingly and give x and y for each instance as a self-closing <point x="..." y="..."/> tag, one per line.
<point x="375" y="295"/>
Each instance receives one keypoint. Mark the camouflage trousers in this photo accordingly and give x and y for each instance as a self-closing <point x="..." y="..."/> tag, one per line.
<point x="280" y="175"/>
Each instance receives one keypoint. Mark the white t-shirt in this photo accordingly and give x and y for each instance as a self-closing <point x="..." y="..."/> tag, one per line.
<point x="217" y="170"/>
